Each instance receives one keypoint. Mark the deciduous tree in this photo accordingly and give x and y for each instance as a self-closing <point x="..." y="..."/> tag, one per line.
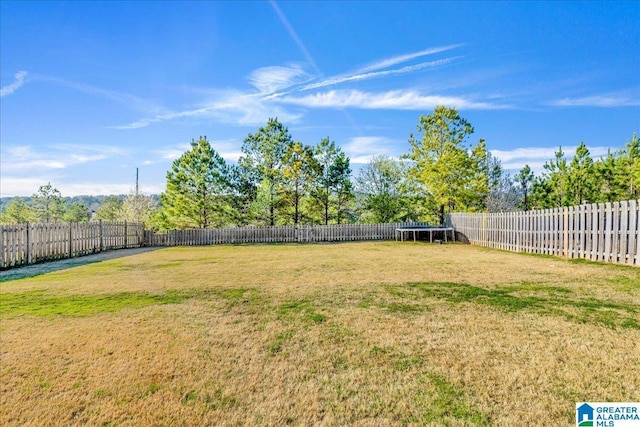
<point x="17" y="212"/>
<point x="138" y="208"/>
<point x="503" y="195"/>
<point x="444" y="164"/>
<point x="110" y="209"/>
<point x="386" y="191"/>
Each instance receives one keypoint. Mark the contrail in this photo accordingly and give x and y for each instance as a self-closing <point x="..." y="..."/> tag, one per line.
<point x="307" y="55"/>
<point x="407" y="57"/>
<point x="295" y="37"/>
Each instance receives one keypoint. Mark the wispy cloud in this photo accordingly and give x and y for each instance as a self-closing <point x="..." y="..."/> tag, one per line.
<point x="362" y="149"/>
<point x="172" y="153"/>
<point x="240" y="108"/>
<point x="147" y="121"/>
<point x="539" y="153"/>
<point x="137" y="103"/>
<point x="19" y="80"/>
<point x="276" y="84"/>
<point x="21" y="186"/>
<point x="278" y="89"/>
<point x="231" y="107"/>
<point x="396" y="99"/>
<point x="271" y="79"/>
<point x="628" y="99"/>
<point x="25" y="158"/>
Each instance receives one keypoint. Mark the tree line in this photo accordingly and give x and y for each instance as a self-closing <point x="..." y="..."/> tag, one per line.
<point x="583" y="179"/>
<point x="48" y="205"/>
<point x="280" y="181"/>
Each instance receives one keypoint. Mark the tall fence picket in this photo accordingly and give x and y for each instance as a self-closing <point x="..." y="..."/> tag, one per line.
<point x="607" y="232"/>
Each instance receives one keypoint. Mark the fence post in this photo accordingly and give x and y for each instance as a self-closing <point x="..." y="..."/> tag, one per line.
<point x="126" y="236"/>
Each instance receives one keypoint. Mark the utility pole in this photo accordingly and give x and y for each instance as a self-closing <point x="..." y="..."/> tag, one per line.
<point x="137" y="199"/>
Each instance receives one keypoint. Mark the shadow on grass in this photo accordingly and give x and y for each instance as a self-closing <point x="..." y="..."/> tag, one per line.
<point x="550" y="301"/>
<point x="63" y="264"/>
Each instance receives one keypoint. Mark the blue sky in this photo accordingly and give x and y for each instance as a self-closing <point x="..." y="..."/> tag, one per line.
<point x="92" y="90"/>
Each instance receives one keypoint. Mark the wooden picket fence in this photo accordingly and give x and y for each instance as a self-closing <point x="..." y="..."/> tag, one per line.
<point x="25" y="244"/>
<point x="279" y="234"/>
<point x="608" y="232"/>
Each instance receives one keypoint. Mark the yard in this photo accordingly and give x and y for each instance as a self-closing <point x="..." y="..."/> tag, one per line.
<point x="373" y="333"/>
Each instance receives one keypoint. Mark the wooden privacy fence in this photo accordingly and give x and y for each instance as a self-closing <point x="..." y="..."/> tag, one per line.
<point x="599" y="232"/>
<point x="278" y="234"/>
<point x="32" y="243"/>
<point x="25" y="244"/>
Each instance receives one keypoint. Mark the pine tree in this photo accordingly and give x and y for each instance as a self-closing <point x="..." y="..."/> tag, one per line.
<point x="553" y="187"/>
<point x="48" y="204"/>
<point x="630" y="168"/>
<point x="332" y="189"/>
<point x="581" y="182"/>
<point x="261" y="165"/>
<point x="342" y="186"/>
<point x="77" y="212"/>
<point x="299" y="171"/>
<point x="525" y="179"/>
<point x="198" y="189"/>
